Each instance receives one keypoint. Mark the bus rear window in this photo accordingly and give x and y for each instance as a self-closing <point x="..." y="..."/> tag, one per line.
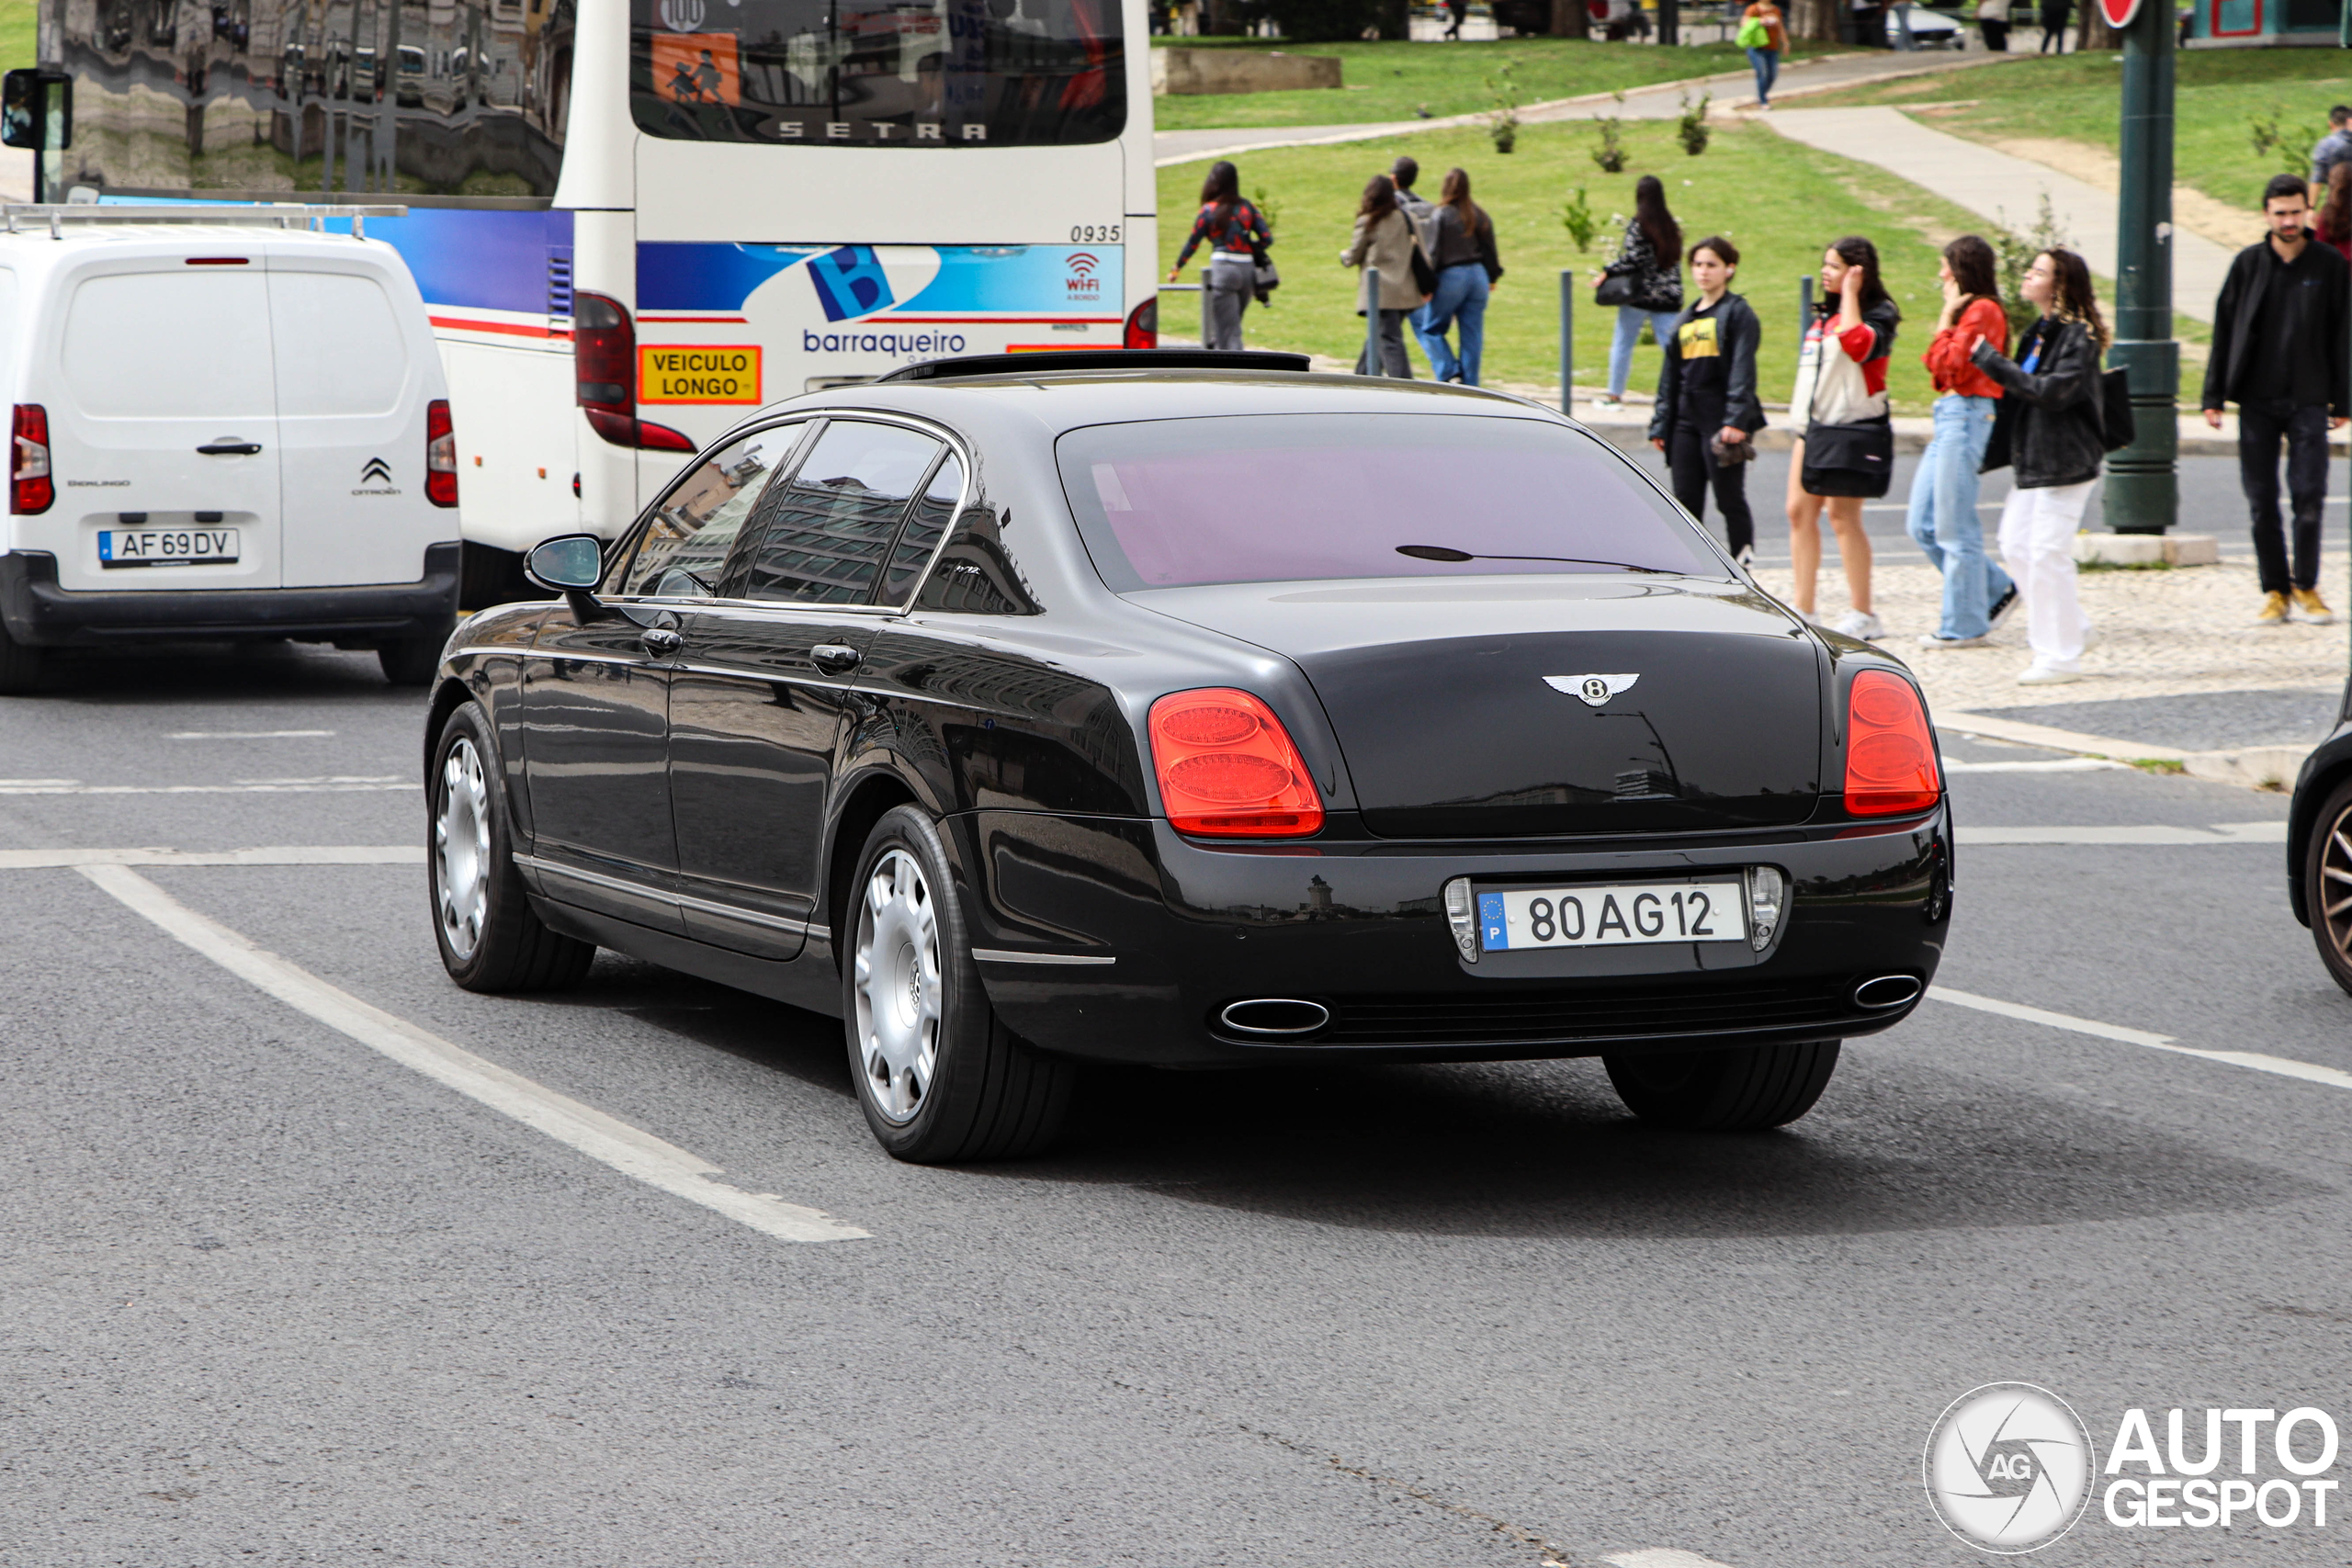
<point x="873" y="73"/>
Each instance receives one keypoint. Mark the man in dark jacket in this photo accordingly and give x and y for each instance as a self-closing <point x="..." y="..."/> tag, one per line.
<point x="2278" y="354"/>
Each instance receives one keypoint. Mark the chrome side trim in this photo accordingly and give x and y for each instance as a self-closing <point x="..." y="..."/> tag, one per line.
<point x="1005" y="956"/>
<point x="594" y="878"/>
<point x="731" y="912"/>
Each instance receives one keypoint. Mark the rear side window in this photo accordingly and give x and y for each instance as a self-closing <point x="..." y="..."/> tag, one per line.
<point x="1314" y="497"/>
<point x="186" y="344"/>
<point x="340" y="348"/>
<point x="822" y="534"/>
<point x="925" y="523"/>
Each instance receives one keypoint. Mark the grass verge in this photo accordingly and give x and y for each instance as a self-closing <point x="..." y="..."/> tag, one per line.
<point x="17" y="47"/>
<point x="1396" y="80"/>
<point x="1780" y="202"/>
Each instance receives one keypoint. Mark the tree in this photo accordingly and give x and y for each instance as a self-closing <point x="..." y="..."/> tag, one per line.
<point x="1571" y="18"/>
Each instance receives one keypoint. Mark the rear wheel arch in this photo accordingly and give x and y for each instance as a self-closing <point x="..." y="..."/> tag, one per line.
<point x="447" y="698"/>
<point x="868" y="800"/>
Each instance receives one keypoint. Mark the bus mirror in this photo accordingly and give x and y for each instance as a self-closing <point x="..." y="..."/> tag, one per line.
<point x="37" y="111"/>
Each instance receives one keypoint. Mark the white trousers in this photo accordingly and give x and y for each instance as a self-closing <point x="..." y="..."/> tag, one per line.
<point x="2038" y="547"/>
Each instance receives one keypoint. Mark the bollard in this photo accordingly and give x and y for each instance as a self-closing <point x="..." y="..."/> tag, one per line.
<point x="1204" y="305"/>
<point x="1567" y="341"/>
<point x="1372" y="366"/>
<point x="1805" y="309"/>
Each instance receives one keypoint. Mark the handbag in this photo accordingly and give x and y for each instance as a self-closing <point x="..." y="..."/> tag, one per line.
<point x="1752" y="34"/>
<point x="1264" y="277"/>
<point x="1865" y="446"/>
<point x="1424" y="275"/>
<point x="1617" y="289"/>
<point x="2119" y="427"/>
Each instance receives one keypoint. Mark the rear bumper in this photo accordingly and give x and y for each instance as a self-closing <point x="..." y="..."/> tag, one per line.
<point x="40" y="613"/>
<point x="1358" y="927"/>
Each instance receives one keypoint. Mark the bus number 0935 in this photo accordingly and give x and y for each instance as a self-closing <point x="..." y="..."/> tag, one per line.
<point x="1095" y="234"/>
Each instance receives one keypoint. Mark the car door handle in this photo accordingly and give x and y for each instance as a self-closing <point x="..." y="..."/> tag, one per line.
<point x="228" y="448"/>
<point x="833" y="657"/>
<point x="662" y="641"/>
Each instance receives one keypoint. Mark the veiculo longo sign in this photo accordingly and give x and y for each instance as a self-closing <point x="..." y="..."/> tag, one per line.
<point x="2010" y="1468"/>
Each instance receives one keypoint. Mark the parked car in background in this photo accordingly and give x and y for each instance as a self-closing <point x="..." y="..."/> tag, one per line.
<point x="2319" y="846"/>
<point x="224" y="429"/>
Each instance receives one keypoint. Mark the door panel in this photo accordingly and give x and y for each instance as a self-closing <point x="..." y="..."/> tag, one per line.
<point x="147" y="380"/>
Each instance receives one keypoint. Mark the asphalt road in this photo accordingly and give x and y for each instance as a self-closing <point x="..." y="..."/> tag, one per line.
<point x="270" y="1296"/>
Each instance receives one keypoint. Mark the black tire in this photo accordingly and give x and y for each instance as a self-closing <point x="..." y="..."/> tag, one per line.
<point x="2327" y="881"/>
<point x="983" y="1094"/>
<point x="20" y="666"/>
<point x="511" y="950"/>
<point x="1735" y="1090"/>
<point x="411" y="661"/>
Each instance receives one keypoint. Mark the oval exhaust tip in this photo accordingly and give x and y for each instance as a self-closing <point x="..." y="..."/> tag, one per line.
<point x="1887" y="991"/>
<point x="1274" y="1018"/>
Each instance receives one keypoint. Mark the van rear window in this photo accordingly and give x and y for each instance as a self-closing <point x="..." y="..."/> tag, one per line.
<point x="1314" y="497"/>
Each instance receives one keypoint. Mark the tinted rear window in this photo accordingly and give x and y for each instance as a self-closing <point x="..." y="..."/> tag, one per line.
<point x="1301" y="497"/>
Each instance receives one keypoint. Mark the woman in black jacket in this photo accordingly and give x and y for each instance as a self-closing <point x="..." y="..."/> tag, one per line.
<point x="1707" y="410"/>
<point x="1650" y="261"/>
<point x="2053" y="433"/>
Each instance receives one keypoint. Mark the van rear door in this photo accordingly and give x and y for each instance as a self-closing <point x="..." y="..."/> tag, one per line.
<point x="353" y="351"/>
<point x="164" y="426"/>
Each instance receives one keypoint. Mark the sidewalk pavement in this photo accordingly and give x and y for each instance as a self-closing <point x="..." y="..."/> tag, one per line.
<point x="1807" y="75"/>
<point x="2003" y="187"/>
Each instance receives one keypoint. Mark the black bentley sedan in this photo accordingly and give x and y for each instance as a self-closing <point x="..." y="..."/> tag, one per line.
<point x="1192" y="710"/>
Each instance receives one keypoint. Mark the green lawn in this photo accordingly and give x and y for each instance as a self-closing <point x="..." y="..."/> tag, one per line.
<point x="1780" y="202"/>
<point x="2219" y="93"/>
<point x="17" y="45"/>
<point x="1396" y="80"/>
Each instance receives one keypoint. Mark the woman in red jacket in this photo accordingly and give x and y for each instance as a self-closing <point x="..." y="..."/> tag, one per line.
<point x="1977" y="592"/>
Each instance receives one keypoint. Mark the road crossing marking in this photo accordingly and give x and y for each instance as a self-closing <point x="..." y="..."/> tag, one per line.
<point x="2309" y="1072"/>
<point x="2057" y="765"/>
<point x="2219" y="833"/>
<point x="291" y="854"/>
<point x="250" y="734"/>
<point x="329" y="785"/>
<point x="628" y="1150"/>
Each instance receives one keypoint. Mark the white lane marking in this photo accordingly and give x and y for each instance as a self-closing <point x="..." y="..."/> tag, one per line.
<point x="1661" y="1557"/>
<point x="2059" y="765"/>
<point x="2219" y="833"/>
<point x="285" y="855"/>
<point x="2310" y="1072"/>
<point x="248" y="734"/>
<point x="330" y="784"/>
<point x="628" y="1150"/>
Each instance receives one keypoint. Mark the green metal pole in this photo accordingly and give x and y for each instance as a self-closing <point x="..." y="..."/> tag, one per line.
<point x="2142" y="488"/>
<point x="1569" y="337"/>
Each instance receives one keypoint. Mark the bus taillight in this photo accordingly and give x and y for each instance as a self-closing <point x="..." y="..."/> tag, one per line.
<point x="1143" y="324"/>
<point x="604" y="359"/>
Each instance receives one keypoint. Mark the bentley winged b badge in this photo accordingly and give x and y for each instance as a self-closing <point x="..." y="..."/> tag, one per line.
<point x="1594" y="690"/>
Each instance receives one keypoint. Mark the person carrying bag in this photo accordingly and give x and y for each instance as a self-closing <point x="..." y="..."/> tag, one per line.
<point x="1846" y="453"/>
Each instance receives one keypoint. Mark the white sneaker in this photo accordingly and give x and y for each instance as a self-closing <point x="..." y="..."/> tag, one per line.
<point x="1861" y="625"/>
<point x="2041" y="674"/>
<point x="1932" y="639"/>
<point x="1746" y="558"/>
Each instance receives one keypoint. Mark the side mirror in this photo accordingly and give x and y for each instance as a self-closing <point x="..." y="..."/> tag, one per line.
<point x="37" y="111"/>
<point x="573" y="563"/>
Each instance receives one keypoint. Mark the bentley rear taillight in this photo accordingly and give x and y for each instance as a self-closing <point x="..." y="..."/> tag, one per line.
<point x="1229" y="770"/>
<point x="30" y="488"/>
<point x="1889" y="755"/>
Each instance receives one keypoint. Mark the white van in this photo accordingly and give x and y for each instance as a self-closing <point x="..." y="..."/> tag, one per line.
<point x="228" y="429"/>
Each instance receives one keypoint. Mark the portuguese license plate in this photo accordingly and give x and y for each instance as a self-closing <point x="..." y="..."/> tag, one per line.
<point x="167" y="546"/>
<point x="1623" y="915"/>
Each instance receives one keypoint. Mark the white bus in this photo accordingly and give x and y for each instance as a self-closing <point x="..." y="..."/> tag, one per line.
<point x="632" y="219"/>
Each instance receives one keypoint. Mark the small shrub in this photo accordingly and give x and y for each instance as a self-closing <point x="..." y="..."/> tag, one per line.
<point x="1502" y="124"/>
<point x="2275" y="144"/>
<point x="1268" y="209"/>
<point x="1611" y="154"/>
<point x="1692" y="129"/>
<point x="2013" y="251"/>
<point x="1577" y="217"/>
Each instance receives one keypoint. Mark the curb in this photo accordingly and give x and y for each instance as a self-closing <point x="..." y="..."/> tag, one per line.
<point x="2252" y="767"/>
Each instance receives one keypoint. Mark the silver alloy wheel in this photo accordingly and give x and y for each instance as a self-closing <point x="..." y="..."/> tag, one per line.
<point x="2333" y="894"/>
<point x="897" y="986"/>
<point x="462" y="849"/>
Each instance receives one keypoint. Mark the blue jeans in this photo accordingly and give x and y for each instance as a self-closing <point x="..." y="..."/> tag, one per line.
<point x="1629" y="329"/>
<point x="1766" y="63"/>
<point x="1944" y="514"/>
<point x="1460" y="301"/>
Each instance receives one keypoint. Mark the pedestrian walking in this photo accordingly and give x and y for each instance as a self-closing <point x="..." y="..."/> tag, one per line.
<point x="1649" y="262"/>
<point x="2278" y="354"/>
<point x="1468" y="268"/>
<point x="1236" y="236"/>
<point x="1903" y="38"/>
<point x="1707" y="413"/>
<point x="1764" y="33"/>
<point x="2334" y="224"/>
<point x="2055" y="14"/>
<point x="1844" y="450"/>
<point x="1383" y="241"/>
<point x="1455" y="10"/>
<point x="1405" y="173"/>
<point x="1993" y="19"/>
<point x="2334" y="148"/>
<point x="2052" y="435"/>
<point x="1942" y="519"/>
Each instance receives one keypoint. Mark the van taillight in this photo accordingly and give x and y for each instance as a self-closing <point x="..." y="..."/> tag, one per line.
<point x="440" y="455"/>
<point x="30" y="488"/>
<point x="604" y="359"/>
<point x="1889" y="755"/>
<point x="1227" y="769"/>
<point x="1143" y="324"/>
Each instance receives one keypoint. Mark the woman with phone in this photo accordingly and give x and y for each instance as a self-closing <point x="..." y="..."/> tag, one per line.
<point x="1845" y="449"/>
